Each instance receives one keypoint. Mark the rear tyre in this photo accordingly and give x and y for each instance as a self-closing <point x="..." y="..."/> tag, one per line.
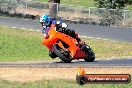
<point x="62" y="54"/>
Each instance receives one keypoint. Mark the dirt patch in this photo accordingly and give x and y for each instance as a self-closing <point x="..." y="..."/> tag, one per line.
<point x="32" y="11"/>
<point x="75" y="16"/>
<point x="35" y="74"/>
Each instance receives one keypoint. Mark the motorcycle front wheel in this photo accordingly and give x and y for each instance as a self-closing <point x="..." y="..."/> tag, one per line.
<point x="62" y="54"/>
<point x="52" y="54"/>
<point x="90" y="55"/>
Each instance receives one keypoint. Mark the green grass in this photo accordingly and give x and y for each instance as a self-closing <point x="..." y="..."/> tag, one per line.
<point x="25" y="45"/>
<point x="129" y="7"/>
<point x="109" y="49"/>
<point x="58" y="84"/>
<point x="18" y="45"/>
<point x="88" y="3"/>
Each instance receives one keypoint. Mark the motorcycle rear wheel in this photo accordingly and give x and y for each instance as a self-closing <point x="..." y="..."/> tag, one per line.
<point x="62" y="54"/>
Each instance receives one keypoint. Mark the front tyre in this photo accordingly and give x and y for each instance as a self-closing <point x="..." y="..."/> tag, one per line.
<point x="90" y="55"/>
<point x="52" y="54"/>
<point x="62" y="54"/>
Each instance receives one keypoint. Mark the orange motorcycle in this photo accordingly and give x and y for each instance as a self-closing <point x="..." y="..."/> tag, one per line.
<point x="66" y="48"/>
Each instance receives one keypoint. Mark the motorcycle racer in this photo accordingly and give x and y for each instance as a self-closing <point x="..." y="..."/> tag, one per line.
<point x="46" y="23"/>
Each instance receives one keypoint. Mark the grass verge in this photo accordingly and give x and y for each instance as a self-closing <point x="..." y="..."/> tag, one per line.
<point x="109" y="49"/>
<point x="18" y="45"/>
<point x="88" y="3"/>
<point x="58" y="84"/>
<point x="129" y="7"/>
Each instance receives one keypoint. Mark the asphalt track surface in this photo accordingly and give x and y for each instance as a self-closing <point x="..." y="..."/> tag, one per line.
<point x="94" y="31"/>
<point x="114" y="63"/>
<point x="104" y="32"/>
